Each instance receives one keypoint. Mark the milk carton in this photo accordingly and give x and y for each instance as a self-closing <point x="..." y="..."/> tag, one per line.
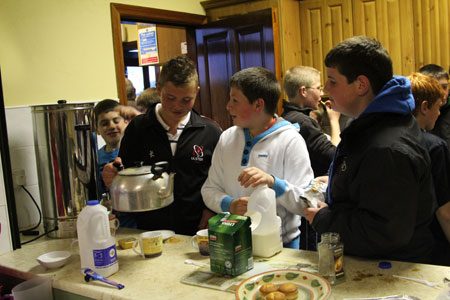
<point x="230" y="244"/>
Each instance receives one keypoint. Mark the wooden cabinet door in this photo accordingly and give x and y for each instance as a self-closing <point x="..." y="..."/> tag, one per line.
<point x="391" y="23"/>
<point x="324" y="23"/>
<point x="227" y="46"/>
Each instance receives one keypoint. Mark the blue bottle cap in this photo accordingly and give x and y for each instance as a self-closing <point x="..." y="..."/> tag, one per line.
<point x="93" y="202"/>
<point x="384" y="265"/>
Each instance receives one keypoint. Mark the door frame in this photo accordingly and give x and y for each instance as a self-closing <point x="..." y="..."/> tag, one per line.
<point x="146" y="14"/>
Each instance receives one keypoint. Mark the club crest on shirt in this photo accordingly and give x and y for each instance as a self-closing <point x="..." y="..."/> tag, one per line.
<point x="343" y="166"/>
<point x="151" y="154"/>
<point x="197" y="153"/>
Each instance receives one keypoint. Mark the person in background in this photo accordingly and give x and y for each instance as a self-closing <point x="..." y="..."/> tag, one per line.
<point x="443" y="216"/>
<point x="380" y="188"/>
<point x="172" y="131"/>
<point x="131" y="93"/>
<point x="442" y="126"/>
<point x="146" y="99"/>
<point x="111" y="126"/>
<point x="303" y="89"/>
<point x="260" y="149"/>
<point x="428" y="96"/>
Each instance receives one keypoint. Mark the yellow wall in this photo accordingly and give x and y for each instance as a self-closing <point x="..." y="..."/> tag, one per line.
<point x="53" y="49"/>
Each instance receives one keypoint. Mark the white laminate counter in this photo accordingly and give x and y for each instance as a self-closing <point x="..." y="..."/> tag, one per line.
<point x="159" y="277"/>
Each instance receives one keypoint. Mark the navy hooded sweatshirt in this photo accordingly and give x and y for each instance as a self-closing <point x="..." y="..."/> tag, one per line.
<point x="380" y="186"/>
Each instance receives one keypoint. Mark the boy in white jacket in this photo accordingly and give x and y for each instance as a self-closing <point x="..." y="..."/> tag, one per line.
<point x="260" y="149"/>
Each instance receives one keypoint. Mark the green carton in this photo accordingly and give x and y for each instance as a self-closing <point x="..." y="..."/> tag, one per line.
<point x="230" y="244"/>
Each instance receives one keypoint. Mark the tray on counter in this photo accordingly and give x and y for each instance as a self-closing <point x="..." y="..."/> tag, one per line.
<point x="205" y="278"/>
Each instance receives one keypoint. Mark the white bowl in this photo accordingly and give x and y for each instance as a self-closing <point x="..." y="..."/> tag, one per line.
<point x="53" y="259"/>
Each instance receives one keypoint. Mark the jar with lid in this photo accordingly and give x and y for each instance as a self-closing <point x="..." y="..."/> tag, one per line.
<point x="331" y="257"/>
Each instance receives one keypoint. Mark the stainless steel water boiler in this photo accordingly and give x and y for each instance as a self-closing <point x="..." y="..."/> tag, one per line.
<point x="65" y="143"/>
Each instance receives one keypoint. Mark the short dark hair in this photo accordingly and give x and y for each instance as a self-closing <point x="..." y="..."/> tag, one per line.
<point x="179" y="70"/>
<point x="258" y="82"/>
<point x="434" y="71"/>
<point x="361" y="55"/>
<point x="148" y="97"/>
<point x="104" y="106"/>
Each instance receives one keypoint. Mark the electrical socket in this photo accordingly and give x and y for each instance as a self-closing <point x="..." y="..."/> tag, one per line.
<point x="19" y="177"/>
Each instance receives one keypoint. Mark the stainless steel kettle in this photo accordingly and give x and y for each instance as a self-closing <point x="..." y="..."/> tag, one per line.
<point x="142" y="188"/>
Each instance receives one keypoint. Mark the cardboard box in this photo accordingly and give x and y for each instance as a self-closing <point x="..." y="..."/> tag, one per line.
<point x="230" y="244"/>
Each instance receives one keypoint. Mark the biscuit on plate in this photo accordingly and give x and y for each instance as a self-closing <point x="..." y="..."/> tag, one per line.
<point x="290" y="290"/>
<point x="268" y="288"/>
<point x="276" y="296"/>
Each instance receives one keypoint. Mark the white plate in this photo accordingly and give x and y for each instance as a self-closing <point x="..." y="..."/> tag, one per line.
<point x="166" y="234"/>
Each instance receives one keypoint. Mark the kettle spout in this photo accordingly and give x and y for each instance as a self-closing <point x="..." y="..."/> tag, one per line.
<point x="166" y="191"/>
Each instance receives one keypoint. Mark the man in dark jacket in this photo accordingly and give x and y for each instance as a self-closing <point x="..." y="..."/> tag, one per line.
<point x="172" y="131"/>
<point x="380" y="191"/>
<point x="303" y="88"/>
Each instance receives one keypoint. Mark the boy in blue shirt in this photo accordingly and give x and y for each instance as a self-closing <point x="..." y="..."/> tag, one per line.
<point x="111" y="126"/>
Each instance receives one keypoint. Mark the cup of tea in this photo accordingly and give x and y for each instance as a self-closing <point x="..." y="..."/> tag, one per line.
<point x="150" y="244"/>
<point x="200" y="242"/>
<point x="113" y="224"/>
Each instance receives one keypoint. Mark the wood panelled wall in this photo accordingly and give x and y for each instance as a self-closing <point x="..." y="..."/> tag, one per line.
<point x="414" y="32"/>
<point x="432" y="32"/>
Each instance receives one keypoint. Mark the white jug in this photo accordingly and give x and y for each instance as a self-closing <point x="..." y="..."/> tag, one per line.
<point x="266" y="225"/>
<point x="97" y="247"/>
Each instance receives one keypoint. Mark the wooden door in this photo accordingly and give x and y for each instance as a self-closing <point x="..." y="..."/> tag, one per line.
<point x="227" y="46"/>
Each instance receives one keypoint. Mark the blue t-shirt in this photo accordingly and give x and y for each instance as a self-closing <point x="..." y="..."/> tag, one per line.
<point x="103" y="159"/>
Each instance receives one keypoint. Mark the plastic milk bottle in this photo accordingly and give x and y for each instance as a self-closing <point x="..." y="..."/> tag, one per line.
<point x="266" y="225"/>
<point x="97" y="247"/>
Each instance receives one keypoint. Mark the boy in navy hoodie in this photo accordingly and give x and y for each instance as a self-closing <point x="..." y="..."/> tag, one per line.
<point x="380" y="191"/>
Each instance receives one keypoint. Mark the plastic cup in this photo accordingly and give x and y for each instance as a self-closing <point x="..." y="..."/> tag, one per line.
<point x="39" y="288"/>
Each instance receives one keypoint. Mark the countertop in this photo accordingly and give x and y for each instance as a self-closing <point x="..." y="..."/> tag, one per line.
<point x="159" y="277"/>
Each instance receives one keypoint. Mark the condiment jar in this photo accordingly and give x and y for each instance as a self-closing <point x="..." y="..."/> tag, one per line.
<point x="331" y="257"/>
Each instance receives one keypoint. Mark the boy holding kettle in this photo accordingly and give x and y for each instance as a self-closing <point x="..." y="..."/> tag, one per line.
<point x="172" y="131"/>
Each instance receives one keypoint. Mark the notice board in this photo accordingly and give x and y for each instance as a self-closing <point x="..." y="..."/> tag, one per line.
<point x="147" y="44"/>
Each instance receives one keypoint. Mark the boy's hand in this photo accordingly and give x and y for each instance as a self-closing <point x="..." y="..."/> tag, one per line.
<point x="206" y="215"/>
<point x="332" y="114"/>
<point x="239" y="206"/>
<point x="109" y="171"/>
<point x="254" y="177"/>
<point x="127" y="112"/>
<point x="323" y="179"/>
<point x="311" y="212"/>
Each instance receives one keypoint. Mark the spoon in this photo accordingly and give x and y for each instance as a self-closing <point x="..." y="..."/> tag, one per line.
<point x="394" y="297"/>
<point x="195" y="263"/>
<point x="417" y="280"/>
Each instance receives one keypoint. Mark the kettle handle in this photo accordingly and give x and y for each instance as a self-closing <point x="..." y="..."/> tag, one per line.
<point x="159" y="168"/>
<point x="119" y="167"/>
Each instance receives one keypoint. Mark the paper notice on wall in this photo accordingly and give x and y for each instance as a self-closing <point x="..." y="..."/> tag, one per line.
<point x="147" y="45"/>
<point x="184" y="48"/>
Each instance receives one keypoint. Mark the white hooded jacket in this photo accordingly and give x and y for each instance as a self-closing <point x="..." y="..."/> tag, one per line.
<point x="280" y="151"/>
